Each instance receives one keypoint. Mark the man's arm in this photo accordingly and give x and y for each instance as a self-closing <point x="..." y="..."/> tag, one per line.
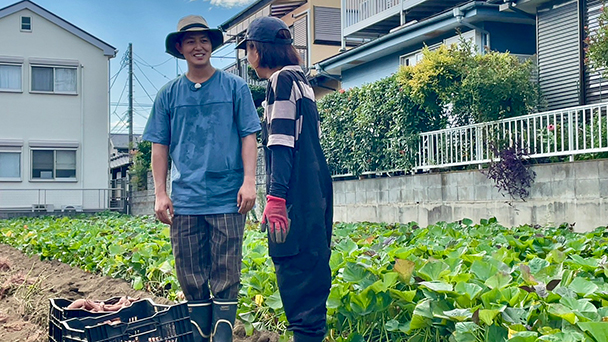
<point x="160" y="159"/>
<point x="247" y="193"/>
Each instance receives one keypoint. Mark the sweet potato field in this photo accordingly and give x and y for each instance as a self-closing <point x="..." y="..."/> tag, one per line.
<point x="456" y="282"/>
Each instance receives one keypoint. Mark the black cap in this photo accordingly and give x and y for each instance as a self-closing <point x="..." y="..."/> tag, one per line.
<point x="265" y="30"/>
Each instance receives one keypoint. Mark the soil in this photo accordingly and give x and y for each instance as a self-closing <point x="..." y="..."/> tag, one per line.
<point x="27" y="284"/>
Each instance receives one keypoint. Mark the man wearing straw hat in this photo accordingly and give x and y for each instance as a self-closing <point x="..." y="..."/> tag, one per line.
<point x="207" y="122"/>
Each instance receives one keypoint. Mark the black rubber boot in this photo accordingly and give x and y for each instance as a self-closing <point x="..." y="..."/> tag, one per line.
<point x="299" y="337"/>
<point x="224" y="314"/>
<point x="200" y="317"/>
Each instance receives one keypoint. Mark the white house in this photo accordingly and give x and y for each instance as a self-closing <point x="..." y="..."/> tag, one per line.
<point x="54" y="110"/>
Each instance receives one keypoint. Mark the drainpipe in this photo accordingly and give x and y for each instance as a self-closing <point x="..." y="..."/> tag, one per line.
<point x="82" y="126"/>
<point x="342" y="22"/>
<point x="459" y="15"/>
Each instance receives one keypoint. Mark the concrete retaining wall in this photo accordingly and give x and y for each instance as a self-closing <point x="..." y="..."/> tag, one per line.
<point x="563" y="192"/>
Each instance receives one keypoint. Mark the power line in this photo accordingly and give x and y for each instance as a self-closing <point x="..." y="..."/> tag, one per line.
<point x="145" y="105"/>
<point x="120" y="97"/>
<point x="142" y="87"/>
<point x="141" y="115"/>
<point x="154" y="68"/>
<point x="120" y="120"/>
<point x="151" y="66"/>
<point x="143" y="73"/>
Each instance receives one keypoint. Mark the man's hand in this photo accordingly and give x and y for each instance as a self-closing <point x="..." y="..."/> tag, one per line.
<point x="246" y="197"/>
<point x="275" y="217"/>
<point x="163" y="207"/>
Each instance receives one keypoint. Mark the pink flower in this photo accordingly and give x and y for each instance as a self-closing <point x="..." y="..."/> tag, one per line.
<point x="341" y="91"/>
<point x="551" y="128"/>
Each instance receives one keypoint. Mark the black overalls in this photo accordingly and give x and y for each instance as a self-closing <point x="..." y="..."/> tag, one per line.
<point x="302" y="262"/>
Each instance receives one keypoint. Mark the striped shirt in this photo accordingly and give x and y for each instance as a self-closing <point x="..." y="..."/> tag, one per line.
<point x="289" y="95"/>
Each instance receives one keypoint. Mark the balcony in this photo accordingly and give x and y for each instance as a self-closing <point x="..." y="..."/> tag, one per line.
<point x="370" y="19"/>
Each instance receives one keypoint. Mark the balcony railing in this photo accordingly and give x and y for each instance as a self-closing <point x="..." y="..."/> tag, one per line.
<point x="564" y="132"/>
<point x="356" y="13"/>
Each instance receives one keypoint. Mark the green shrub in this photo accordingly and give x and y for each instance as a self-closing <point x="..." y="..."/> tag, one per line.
<point x="376" y="127"/>
<point x="142" y="161"/>
<point x="462" y="87"/>
<point x="371" y="128"/>
<point x="597" y="44"/>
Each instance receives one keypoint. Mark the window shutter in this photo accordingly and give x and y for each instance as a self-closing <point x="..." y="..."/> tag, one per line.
<point x="327" y="25"/>
<point x="559" y="55"/>
<point x="300" y="33"/>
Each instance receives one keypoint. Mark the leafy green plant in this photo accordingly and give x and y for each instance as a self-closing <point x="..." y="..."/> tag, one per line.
<point x="141" y="165"/>
<point x="597" y="44"/>
<point x="454" y="282"/>
<point x="259" y="94"/>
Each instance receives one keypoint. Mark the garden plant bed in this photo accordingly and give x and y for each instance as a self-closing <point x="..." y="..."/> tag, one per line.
<point x="448" y="282"/>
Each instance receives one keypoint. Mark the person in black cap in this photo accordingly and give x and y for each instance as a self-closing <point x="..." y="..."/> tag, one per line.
<point x="207" y="121"/>
<point x="299" y="209"/>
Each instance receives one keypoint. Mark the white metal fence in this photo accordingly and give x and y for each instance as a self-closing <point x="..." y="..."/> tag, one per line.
<point x="564" y="132"/>
<point x="559" y="133"/>
<point x="52" y="200"/>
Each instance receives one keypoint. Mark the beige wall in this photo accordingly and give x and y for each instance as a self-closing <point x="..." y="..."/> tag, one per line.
<point x="82" y="118"/>
<point x="318" y="52"/>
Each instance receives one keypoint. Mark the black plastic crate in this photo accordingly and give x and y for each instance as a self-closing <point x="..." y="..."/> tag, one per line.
<point x="58" y="312"/>
<point x="143" y="321"/>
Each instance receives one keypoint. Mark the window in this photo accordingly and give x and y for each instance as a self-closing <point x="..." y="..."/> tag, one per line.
<point x="415" y="57"/>
<point x="26" y="24"/>
<point x="470" y="36"/>
<point x="411" y="59"/>
<point x="54" y="80"/>
<point x="10" y="165"/>
<point x="53" y="164"/>
<point x="10" y="77"/>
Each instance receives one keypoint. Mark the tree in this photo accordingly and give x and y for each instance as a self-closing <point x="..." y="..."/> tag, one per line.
<point x="142" y="161"/>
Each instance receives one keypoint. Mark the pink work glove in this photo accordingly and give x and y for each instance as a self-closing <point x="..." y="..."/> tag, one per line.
<point x="275" y="218"/>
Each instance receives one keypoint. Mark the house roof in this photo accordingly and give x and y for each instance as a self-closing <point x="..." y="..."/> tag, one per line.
<point x="237" y="18"/>
<point x="120" y="160"/>
<point x="108" y="50"/>
<point x="415" y="33"/>
<point x="121" y="140"/>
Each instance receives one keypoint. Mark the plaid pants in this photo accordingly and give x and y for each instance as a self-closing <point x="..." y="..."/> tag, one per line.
<point x="208" y="254"/>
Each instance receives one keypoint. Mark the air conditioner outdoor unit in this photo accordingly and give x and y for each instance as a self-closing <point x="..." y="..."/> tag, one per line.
<point x="43" y="207"/>
<point x="76" y="208"/>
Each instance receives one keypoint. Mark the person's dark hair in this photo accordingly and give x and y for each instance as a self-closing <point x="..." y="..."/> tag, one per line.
<point x="274" y="55"/>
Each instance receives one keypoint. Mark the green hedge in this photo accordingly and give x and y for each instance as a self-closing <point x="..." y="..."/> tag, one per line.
<point x="376" y="127"/>
<point x="372" y="127"/>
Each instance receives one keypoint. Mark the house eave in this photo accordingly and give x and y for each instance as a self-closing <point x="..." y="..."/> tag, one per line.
<point x="244" y="14"/>
<point x="400" y="39"/>
<point x="108" y="50"/>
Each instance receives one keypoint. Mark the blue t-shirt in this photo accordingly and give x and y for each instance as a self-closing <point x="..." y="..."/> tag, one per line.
<point x="203" y="128"/>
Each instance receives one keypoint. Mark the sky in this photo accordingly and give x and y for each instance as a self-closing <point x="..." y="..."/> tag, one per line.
<point x="145" y="24"/>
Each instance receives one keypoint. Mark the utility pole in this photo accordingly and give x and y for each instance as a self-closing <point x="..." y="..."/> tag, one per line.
<point x="130" y="57"/>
